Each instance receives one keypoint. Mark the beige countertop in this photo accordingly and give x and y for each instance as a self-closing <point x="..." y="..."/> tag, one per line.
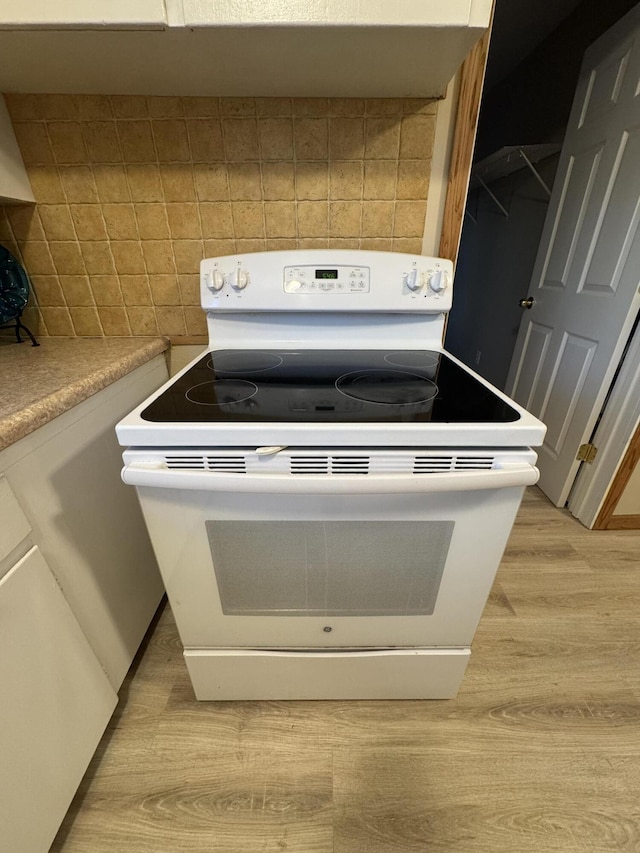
<point x="39" y="383"/>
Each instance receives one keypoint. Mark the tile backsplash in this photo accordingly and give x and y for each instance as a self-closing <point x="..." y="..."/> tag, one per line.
<point x="131" y="192"/>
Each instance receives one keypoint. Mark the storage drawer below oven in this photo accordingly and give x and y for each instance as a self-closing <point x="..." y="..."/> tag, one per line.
<point x="232" y="674"/>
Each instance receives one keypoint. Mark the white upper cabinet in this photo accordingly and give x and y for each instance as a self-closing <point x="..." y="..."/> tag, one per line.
<point x="14" y="183"/>
<point x="275" y="48"/>
<point x="434" y="13"/>
<point x="20" y="14"/>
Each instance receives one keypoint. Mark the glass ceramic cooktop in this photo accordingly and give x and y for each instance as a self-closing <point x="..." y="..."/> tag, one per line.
<point x="328" y="386"/>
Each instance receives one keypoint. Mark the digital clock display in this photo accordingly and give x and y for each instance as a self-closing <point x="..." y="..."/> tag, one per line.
<point x="326" y="274"/>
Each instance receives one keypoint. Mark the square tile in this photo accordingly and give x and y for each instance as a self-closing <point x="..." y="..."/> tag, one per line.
<point x="114" y="322"/>
<point x="201" y="107"/>
<point x="46" y="184"/>
<point x="136" y="139"/>
<point x="144" y="183"/>
<point x="382" y="138"/>
<point x="97" y="257"/>
<point x="76" y="289"/>
<point x="276" y="138"/>
<point x="128" y="257"/>
<point x="245" y="182"/>
<point x="248" y="219"/>
<point x="164" y="289"/>
<point x="79" y="184"/>
<point x="33" y="142"/>
<point x="158" y="256"/>
<point x="142" y="321"/>
<point x="135" y="290"/>
<point x="67" y="141"/>
<point x="313" y="218"/>
<point x="129" y="106"/>
<point x="188" y="254"/>
<point x="216" y="220"/>
<point x="177" y="183"/>
<point x="380" y="179"/>
<point x="413" y="179"/>
<point x="86" y="322"/>
<point x="278" y="183"/>
<point x="346" y="137"/>
<point x="48" y="291"/>
<point x="205" y="137"/>
<point x="184" y="221"/>
<point x="211" y="182"/>
<point x="165" y="106"/>
<point x="120" y="221"/>
<point x="152" y="221"/>
<point x="416" y="137"/>
<point x="311" y="137"/>
<point x="57" y="322"/>
<point x="106" y="290"/>
<point x="56" y="221"/>
<point x="238" y="106"/>
<point x="27" y="225"/>
<point x="101" y="141"/>
<point x="280" y="219"/>
<point x="67" y="258"/>
<point x="409" y="218"/>
<point x="171" y="320"/>
<point x="240" y="138"/>
<point x="377" y="219"/>
<point x="312" y="180"/>
<point x="111" y="182"/>
<point x="345" y="179"/>
<point x="344" y="218"/>
<point x="172" y="140"/>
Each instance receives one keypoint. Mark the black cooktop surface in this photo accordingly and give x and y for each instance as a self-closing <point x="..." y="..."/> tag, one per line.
<point x="328" y="386"/>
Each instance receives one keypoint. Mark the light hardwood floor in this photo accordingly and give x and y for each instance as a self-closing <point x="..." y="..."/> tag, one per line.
<point x="539" y="752"/>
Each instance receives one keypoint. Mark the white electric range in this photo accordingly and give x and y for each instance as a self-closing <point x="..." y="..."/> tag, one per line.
<point x="328" y="491"/>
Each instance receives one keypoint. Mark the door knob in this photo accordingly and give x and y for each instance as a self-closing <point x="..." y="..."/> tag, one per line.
<point x="526" y="303"/>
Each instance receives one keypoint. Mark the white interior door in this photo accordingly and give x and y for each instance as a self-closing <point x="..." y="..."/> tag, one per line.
<point x="585" y="280"/>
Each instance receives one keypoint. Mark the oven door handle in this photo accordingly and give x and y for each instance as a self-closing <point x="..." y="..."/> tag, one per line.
<point x="517" y="474"/>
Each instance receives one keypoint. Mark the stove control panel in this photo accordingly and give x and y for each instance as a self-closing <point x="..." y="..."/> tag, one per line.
<point x="328" y="280"/>
<point x="319" y="280"/>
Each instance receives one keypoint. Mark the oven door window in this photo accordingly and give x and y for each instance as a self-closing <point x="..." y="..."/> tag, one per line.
<point x="329" y="568"/>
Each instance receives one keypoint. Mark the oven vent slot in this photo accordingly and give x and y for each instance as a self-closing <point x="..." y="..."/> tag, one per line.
<point x="437" y="464"/>
<point x="188" y="463"/>
<point x="309" y="464"/>
<point x="474" y="463"/>
<point x="227" y="464"/>
<point x="329" y="465"/>
<point x="432" y="464"/>
<point x="349" y="464"/>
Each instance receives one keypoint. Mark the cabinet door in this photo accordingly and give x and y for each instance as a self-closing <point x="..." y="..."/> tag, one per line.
<point x="82" y="13"/>
<point x="56" y="703"/>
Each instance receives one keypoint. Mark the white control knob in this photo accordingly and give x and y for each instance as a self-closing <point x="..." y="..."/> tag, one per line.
<point x="292" y="286"/>
<point x="239" y="279"/>
<point x="413" y="280"/>
<point x="215" y="280"/>
<point x="438" y="281"/>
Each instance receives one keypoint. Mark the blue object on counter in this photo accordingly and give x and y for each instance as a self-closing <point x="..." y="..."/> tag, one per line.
<point x="14" y="293"/>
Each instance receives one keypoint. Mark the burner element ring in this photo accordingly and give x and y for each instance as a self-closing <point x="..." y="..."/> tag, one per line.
<point x="244" y="361"/>
<point x="387" y="387"/>
<point x="222" y="392"/>
<point x="422" y="359"/>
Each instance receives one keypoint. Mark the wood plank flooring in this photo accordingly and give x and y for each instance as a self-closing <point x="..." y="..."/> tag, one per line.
<point x="539" y="752"/>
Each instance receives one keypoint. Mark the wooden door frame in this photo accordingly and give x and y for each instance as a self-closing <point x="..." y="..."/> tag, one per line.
<point x="606" y="519"/>
<point x="471" y="83"/>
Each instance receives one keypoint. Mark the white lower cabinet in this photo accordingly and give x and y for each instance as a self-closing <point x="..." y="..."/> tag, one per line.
<point x="56" y="703"/>
<point x="78" y="588"/>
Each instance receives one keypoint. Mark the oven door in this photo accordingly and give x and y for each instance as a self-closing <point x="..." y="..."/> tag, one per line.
<point x="380" y="561"/>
